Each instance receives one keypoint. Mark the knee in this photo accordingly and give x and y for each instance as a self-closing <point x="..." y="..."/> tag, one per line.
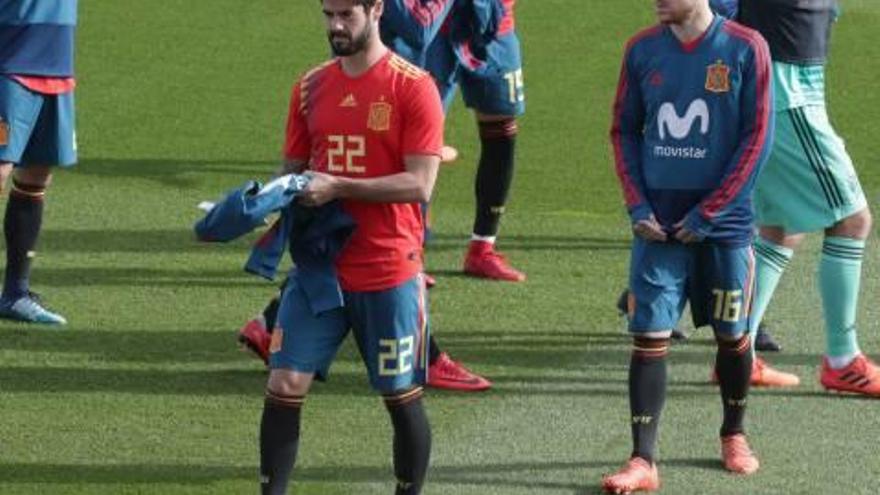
<point x="5" y="172"/>
<point x="857" y="225"/>
<point x="286" y="383"/>
<point x="34" y="177"/>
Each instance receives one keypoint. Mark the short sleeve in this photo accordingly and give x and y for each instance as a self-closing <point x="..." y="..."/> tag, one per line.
<point x="423" y="122"/>
<point x="297" y="144"/>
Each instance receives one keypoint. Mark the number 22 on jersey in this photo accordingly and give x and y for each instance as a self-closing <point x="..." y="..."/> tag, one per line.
<point x="344" y="152"/>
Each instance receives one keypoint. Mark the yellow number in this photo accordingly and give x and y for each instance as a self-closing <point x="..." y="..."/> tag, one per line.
<point x="395" y="357"/>
<point x="336" y="149"/>
<point x="342" y="152"/>
<point x="728" y="305"/>
<point x="515" y="86"/>
<point x="357" y="149"/>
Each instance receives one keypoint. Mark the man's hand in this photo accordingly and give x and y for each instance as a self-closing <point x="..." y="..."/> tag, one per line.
<point x="322" y="189"/>
<point x="650" y="230"/>
<point x="685" y="236"/>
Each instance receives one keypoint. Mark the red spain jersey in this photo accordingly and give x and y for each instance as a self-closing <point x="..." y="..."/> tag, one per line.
<point x="362" y="127"/>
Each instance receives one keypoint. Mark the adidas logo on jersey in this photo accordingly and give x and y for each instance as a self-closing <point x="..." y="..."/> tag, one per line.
<point x="349" y="101"/>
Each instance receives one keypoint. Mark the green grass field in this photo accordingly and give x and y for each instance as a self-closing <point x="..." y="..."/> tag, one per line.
<point x="146" y="393"/>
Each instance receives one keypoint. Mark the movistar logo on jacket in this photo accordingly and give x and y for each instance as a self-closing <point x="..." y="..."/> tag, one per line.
<point x="675" y="127"/>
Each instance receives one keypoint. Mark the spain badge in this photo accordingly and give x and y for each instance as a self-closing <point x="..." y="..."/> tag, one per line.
<point x="718" y="78"/>
<point x="380" y="116"/>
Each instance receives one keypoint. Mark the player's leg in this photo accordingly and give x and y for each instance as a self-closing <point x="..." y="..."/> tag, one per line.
<point x="795" y="193"/>
<point x="657" y="288"/>
<point x="724" y="280"/>
<point x="769" y="266"/>
<point x="280" y="427"/>
<point x="391" y="330"/>
<point x="497" y="96"/>
<point x="845" y="368"/>
<point x="303" y="346"/>
<point x="38" y="131"/>
<point x="773" y="251"/>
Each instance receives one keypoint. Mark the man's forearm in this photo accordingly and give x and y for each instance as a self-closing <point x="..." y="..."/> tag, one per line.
<point x="404" y="187"/>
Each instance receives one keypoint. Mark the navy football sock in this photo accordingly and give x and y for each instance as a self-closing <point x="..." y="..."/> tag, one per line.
<point x="21" y="226"/>
<point x="270" y="313"/>
<point x="647" y="393"/>
<point x="279" y="441"/>
<point x="412" y="440"/>
<point x="733" y="363"/>
<point x="433" y="351"/>
<point x="494" y="174"/>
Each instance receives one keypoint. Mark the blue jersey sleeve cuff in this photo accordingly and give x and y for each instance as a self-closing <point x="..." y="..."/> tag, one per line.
<point x="640" y="212"/>
<point x="697" y="224"/>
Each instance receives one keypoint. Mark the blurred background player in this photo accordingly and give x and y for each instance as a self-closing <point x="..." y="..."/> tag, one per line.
<point x="36" y="133"/>
<point x="369" y="125"/>
<point x="810" y="184"/>
<point x="692" y="128"/>
<point x="474" y="46"/>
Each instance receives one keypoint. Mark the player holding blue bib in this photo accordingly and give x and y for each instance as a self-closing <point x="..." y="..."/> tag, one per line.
<point x="472" y="46"/>
<point x="692" y="125"/>
<point x="36" y="133"/>
<point x="368" y="125"/>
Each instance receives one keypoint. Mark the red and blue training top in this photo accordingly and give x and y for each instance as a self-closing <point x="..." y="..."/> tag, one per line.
<point x="692" y="126"/>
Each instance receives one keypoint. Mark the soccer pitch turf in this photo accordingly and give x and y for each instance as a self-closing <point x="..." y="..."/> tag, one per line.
<point x="146" y="393"/>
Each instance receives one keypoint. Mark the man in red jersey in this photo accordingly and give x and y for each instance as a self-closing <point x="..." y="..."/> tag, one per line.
<point x="369" y="127"/>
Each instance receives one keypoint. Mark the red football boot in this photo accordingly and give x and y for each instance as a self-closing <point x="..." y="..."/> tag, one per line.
<point x="256" y="338"/>
<point x="861" y="376"/>
<point x="484" y="262"/>
<point x="452" y="375"/>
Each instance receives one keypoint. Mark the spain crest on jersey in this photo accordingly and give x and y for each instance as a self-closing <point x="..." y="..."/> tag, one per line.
<point x="380" y="116"/>
<point x="718" y="78"/>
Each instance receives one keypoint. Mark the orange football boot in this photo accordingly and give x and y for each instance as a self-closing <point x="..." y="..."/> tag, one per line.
<point x="638" y="475"/>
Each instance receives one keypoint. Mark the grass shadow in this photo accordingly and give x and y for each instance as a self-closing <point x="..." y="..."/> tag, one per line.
<point x="172" y="173"/>
<point x="134" y="241"/>
<point x="243" y="382"/>
<point x="524" y="242"/>
<point x="232" y="277"/>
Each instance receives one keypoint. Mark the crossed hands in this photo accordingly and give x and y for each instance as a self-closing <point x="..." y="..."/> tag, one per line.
<point x="651" y="230"/>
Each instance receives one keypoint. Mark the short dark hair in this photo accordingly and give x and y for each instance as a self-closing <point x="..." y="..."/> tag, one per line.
<point x="366" y="4"/>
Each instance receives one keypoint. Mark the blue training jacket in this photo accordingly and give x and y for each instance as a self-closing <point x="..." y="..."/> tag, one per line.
<point x="37" y="37"/>
<point x="313" y="236"/>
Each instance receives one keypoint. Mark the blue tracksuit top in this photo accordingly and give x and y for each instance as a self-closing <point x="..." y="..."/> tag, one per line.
<point x="37" y="36"/>
<point x="312" y="236"/>
<point x="692" y="127"/>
